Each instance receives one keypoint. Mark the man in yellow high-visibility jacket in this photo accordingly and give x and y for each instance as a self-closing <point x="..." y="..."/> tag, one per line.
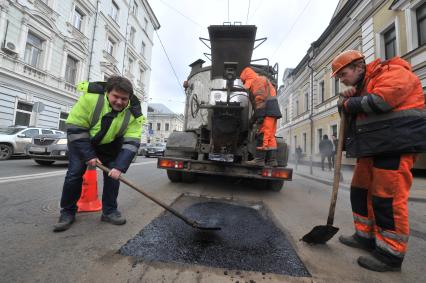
<point x="103" y="126"/>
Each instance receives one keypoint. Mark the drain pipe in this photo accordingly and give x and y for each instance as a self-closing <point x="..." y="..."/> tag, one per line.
<point x="312" y="108"/>
<point x="93" y="41"/>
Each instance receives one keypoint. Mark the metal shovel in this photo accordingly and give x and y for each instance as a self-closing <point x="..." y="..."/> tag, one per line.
<point x="322" y="233"/>
<point x="193" y="223"/>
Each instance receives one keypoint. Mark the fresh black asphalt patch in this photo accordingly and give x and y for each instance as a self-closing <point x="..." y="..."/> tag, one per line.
<point x="249" y="240"/>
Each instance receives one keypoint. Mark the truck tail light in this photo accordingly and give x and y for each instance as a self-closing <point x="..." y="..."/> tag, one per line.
<point x="168" y="163"/>
<point x="276" y="173"/>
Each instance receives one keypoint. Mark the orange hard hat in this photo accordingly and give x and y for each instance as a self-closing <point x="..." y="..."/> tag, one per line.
<point x="344" y="59"/>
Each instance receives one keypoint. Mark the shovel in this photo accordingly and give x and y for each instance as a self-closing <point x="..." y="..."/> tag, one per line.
<point x="192" y="223"/>
<point x="322" y="233"/>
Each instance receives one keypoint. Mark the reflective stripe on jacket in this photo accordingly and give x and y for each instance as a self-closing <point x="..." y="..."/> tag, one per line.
<point x="390" y="112"/>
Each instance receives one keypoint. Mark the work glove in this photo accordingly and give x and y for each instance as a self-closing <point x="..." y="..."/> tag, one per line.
<point x="344" y="96"/>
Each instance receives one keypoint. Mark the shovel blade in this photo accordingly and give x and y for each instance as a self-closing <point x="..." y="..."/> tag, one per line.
<point x="320" y="234"/>
<point x="206" y="225"/>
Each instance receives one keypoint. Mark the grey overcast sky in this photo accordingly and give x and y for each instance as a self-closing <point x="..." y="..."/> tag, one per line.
<point x="290" y="26"/>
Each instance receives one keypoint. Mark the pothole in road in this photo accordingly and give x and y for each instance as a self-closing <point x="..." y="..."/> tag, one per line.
<point x="249" y="239"/>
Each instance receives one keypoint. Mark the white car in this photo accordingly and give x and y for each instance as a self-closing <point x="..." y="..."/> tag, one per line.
<point x="14" y="140"/>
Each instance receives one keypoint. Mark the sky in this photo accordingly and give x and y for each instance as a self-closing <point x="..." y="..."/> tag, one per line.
<point x="290" y="26"/>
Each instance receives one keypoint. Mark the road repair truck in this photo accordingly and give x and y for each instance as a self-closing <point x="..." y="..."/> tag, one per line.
<point x="218" y="136"/>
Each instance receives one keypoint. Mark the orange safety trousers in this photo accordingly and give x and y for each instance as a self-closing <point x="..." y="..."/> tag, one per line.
<point x="379" y="198"/>
<point x="266" y="134"/>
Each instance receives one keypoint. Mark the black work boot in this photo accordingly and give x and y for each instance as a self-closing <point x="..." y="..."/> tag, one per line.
<point x="259" y="158"/>
<point x="64" y="223"/>
<point x="355" y="241"/>
<point x="271" y="158"/>
<point x="114" y="218"/>
<point x="372" y="263"/>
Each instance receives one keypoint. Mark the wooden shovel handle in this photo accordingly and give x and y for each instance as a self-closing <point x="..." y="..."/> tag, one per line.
<point x="337" y="167"/>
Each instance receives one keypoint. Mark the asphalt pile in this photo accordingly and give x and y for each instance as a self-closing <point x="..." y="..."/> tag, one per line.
<point x="248" y="241"/>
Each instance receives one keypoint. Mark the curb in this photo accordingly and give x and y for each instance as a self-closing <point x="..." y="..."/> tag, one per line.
<point x="347" y="186"/>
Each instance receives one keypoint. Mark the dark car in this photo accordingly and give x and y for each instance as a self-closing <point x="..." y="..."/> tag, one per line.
<point x="46" y="149"/>
<point x="155" y="150"/>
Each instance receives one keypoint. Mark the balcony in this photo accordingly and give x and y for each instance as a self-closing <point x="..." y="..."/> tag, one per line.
<point x="20" y="70"/>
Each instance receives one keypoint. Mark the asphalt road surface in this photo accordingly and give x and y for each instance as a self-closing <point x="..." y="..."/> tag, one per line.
<point x="88" y="251"/>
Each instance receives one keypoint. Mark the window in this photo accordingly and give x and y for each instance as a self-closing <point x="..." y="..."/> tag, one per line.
<point x="135" y="8"/>
<point x="33" y="50"/>
<point x="130" y="66"/>
<point x="158" y="126"/>
<point x="286" y="115"/>
<point x="132" y="35"/>
<point x="110" y="46"/>
<point x="146" y="24"/>
<point x="114" y="11"/>
<point x="77" y="19"/>
<point x="295" y="142"/>
<point x="421" y="24"/>
<point x="47" y="132"/>
<point x="319" y="134"/>
<point x="167" y="127"/>
<point x="321" y="92"/>
<point x="62" y="118"/>
<point x="304" y="142"/>
<point x="143" y="48"/>
<point x="30" y="133"/>
<point x="142" y="75"/>
<point x="336" y="86"/>
<point x="306" y="101"/>
<point x="334" y="130"/>
<point x="389" y="38"/>
<point x="71" y="70"/>
<point x="23" y="114"/>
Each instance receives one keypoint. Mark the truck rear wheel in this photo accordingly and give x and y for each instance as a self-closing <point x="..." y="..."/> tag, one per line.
<point x="174" y="176"/>
<point x="44" y="162"/>
<point x="188" y="177"/>
<point x="275" y="185"/>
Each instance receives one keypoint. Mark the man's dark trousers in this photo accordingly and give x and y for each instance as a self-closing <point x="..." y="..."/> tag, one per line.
<point x="73" y="184"/>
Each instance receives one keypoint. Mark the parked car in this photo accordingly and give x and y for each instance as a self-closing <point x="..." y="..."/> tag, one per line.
<point x="13" y="140"/>
<point x="155" y="150"/>
<point x="46" y="149"/>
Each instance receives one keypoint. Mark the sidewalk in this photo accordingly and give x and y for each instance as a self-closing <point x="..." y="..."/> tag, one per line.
<point x="417" y="193"/>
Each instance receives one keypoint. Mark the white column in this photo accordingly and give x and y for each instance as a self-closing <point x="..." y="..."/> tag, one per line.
<point x="23" y="36"/>
<point x="2" y="22"/>
<point x="48" y="61"/>
<point x="64" y="63"/>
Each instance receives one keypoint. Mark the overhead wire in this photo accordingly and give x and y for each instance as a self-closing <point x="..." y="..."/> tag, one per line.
<point x="248" y="11"/>
<point x="182" y="14"/>
<point x="291" y="29"/>
<point x="170" y="63"/>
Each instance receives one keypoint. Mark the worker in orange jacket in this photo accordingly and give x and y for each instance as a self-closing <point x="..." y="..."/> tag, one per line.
<point x="262" y="95"/>
<point x="385" y="107"/>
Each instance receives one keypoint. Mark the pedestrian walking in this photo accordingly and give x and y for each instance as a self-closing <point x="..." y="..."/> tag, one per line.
<point x="385" y="104"/>
<point x="103" y="126"/>
<point x="326" y="151"/>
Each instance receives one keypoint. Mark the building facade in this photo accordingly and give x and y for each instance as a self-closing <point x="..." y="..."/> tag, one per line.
<point x="380" y="29"/>
<point x="47" y="46"/>
<point x="161" y="123"/>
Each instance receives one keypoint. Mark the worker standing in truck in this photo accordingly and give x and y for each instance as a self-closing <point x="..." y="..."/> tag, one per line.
<point x="262" y="95"/>
<point x="385" y="108"/>
<point x="104" y="126"/>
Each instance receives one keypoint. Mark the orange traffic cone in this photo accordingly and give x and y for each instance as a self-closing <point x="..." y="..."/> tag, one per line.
<point x="89" y="200"/>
